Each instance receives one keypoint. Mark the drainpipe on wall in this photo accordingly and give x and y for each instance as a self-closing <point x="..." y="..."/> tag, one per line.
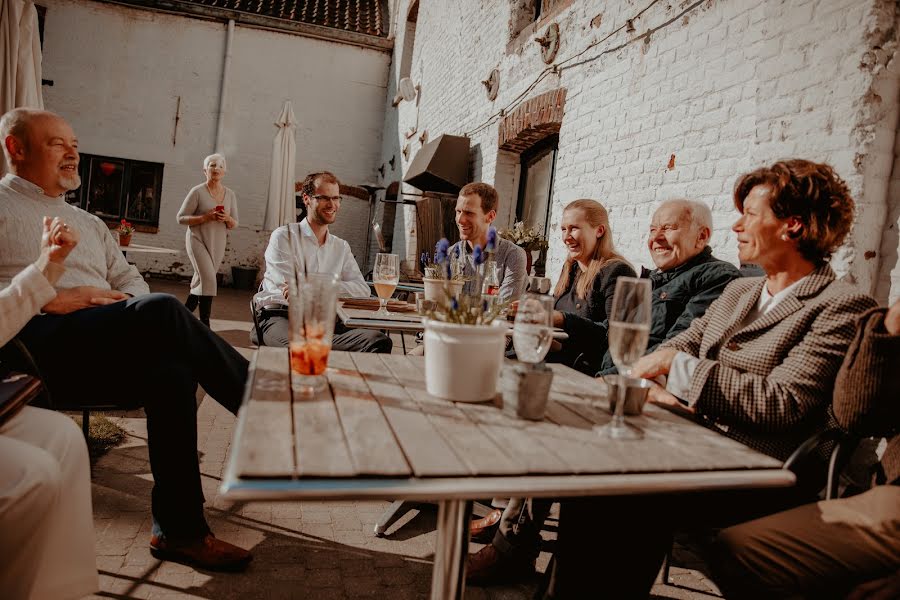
<point x="223" y="91"/>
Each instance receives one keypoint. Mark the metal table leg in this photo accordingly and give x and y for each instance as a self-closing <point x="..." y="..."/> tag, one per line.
<point x="448" y="579"/>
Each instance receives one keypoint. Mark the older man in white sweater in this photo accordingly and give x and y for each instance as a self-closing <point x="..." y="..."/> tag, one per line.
<point x="101" y="301"/>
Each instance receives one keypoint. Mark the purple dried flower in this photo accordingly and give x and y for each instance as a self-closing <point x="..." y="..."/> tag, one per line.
<point x="491" y="239"/>
<point x="477" y="256"/>
<point x="440" y="250"/>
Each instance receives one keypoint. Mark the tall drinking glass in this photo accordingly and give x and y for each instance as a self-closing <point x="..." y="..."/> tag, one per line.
<point x="386" y="276"/>
<point x="312" y="306"/>
<point x="629" y="329"/>
<point x="533" y="329"/>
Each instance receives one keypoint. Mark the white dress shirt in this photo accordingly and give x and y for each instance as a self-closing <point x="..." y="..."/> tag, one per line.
<point x="683" y="365"/>
<point x="333" y="256"/>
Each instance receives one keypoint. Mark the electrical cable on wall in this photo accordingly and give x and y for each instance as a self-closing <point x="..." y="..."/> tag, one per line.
<point x="559" y="66"/>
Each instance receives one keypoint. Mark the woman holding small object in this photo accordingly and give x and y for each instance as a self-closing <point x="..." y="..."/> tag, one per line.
<point x="209" y="210"/>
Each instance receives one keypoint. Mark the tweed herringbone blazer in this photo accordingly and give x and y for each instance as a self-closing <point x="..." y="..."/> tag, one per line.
<point x="867" y="390"/>
<point x="769" y="384"/>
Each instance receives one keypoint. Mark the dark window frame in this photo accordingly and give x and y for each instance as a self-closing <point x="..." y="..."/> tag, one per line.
<point x="528" y="158"/>
<point x="81" y="196"/>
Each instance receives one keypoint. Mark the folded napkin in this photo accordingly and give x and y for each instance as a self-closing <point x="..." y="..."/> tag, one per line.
<point x="374" y="304"/>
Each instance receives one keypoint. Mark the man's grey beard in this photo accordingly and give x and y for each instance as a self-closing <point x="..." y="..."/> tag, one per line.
<point x="70" y="183"/>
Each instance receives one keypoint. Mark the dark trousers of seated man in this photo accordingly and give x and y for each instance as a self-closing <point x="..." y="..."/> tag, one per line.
<point x="621" y="541"/>
<point x="145" y="352"/>
<point x="276" y="331"/>
<point x="519" y="532"/>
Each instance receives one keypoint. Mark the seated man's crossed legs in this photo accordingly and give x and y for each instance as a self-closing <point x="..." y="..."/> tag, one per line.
<point x="165" y="354"/>
<point x="276" y="330"/>
<point x="515" y="546"/>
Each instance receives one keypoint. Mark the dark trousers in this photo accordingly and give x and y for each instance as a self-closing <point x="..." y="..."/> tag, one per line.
<point x="145" y="352"/>
<point x="519" y="531"/>
<point x="275" y="327"/>
<point x="621" y="541"/>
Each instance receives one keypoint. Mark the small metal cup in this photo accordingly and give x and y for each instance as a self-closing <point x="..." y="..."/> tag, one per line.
<point x="526" y="389"/>
<point x="635" y="394"/>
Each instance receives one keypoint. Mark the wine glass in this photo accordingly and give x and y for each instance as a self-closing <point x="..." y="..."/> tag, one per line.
<point x="386" y="276"/>
<point x="629" y="329"/>
<point x="533" y="329"/>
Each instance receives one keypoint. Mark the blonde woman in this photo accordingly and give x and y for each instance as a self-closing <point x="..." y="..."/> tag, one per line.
<point x="209" y="210"/>
<point x="584" y="291"/>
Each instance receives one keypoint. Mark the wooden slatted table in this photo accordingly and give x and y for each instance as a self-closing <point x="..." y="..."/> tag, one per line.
<point x="375" y="433"/>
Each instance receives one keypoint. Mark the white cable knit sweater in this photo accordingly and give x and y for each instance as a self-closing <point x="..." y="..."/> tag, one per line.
<point x="96" y="261"/>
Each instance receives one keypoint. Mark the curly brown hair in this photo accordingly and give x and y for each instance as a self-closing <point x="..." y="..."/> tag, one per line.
<point x="811" y="192"/>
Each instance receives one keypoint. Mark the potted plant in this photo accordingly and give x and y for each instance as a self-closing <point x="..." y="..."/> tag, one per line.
<point x="443" y="277"/>
<point x="125" y="230"/>
<point x="463" y="344"/>
<point x="528" y="239"/>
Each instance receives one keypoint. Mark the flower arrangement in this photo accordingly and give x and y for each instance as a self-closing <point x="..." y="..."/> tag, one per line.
<point x="444" y="264"/>
<point x="125" y="228"/>
<point x="525" y="237"/>
<point x="464" y="309"/>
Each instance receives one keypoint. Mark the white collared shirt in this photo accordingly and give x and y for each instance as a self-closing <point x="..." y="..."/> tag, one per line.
<point x="333" y="256"/>
<point x="683" y="365"/>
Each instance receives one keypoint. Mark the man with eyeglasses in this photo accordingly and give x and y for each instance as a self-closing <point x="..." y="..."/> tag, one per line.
<point x="323" y="252"/>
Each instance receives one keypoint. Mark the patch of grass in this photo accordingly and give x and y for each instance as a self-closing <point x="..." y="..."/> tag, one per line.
<point x="105" y="434"/>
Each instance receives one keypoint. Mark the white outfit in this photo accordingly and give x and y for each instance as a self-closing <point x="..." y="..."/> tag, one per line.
<point x="46" y="521"/>
<point x="97" y="259"/>
<point x="206" y="242"/>
<point x="334" y="256"/>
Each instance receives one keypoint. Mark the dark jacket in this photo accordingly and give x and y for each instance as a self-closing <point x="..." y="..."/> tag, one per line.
<point x="583" y="314"/>
<point x="679" y="296"/>
<point x="867" y="390"/>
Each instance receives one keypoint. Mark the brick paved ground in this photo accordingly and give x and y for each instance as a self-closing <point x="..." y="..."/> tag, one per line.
<point x="316" y="550"/>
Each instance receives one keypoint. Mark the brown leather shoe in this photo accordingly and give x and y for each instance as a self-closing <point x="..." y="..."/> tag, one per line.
<point x="482" y="530"/>
<point x="489" y="567"/>
<point x="207" y="553"/>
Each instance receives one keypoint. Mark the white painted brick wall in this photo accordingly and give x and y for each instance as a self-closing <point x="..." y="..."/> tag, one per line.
<point x="117" y="72"/>
<point x="730" y="86"/>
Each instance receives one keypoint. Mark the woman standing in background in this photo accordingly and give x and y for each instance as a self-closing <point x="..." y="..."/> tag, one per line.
<point x="209" y="210"/>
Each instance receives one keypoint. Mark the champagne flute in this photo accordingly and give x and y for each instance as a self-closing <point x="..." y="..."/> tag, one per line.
<point x="386" y="276"/>
<point x="629" y="330"/>
<point x="533" y="328"/>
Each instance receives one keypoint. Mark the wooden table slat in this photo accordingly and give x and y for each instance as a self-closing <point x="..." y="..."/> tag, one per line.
<point x="371" y="441"/>
<point x="474" y="446"/>
<point x="267" y="419"/>
<point x="321" y="448"/>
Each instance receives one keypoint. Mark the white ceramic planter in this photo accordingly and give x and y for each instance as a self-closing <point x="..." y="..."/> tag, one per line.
<point x="463" y="362"/>
<point x="436" y="289"/>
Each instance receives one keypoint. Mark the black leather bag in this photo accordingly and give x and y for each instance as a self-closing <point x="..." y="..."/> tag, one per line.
<point x="16" y="390"/>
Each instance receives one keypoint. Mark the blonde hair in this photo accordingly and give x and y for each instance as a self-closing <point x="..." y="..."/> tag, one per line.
<point x="604" y="252"/>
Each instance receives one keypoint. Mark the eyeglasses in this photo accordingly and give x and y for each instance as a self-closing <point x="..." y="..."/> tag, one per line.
<point x="321" y="197"/>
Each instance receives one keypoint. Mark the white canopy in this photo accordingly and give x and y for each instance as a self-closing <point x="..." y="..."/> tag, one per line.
<point x="281" y="207"/>
<point x="20" y="65"/>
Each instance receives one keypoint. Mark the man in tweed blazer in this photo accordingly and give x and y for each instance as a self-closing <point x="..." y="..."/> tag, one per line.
<point x="823" y="549"/>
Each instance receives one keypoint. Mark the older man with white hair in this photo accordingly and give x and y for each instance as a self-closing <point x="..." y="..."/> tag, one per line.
<point x="686" y="280"/>
<point x="101" y="301"/>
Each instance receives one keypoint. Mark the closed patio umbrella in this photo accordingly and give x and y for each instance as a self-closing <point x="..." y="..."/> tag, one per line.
<point x="280" y="207"/>
<point x="20" y="65"/>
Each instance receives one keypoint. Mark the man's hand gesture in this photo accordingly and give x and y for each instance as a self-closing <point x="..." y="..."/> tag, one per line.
<point x="58" y="239"/>
<point x="69" y="300"/>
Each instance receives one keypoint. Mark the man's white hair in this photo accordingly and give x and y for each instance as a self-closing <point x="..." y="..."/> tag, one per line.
<point x="212" y="157"/>
<point x="698" y="213"/>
